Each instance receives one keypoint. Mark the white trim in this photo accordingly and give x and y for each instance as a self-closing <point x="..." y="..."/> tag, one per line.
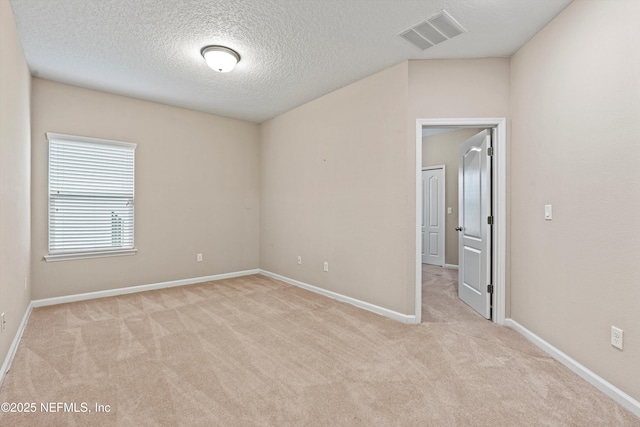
<point x="591" y="377"/>
<point x="6" y="365"/>
<point x="404" y="318"/>
<point x="451" y="266"/>
<point x="428" y="168"/>
<point x="76" y="138"/>
<point x="418" y="229"/>
<point x="141" y="288"/>
<point x="500" y="217"/>
<point x="499" y="176"/>
<point x="83" y="255"/>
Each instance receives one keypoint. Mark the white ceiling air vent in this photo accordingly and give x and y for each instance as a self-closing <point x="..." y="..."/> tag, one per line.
<point x="433" y="30"/>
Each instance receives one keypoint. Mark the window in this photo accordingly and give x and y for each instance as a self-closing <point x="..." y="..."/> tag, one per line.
<point x="91" y="197"/>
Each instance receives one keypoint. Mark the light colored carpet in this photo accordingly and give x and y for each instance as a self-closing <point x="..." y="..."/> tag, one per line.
<point x="255" y="351"/>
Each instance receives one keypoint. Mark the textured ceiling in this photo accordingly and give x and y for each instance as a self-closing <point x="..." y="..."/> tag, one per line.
<point x="292" y="51"/>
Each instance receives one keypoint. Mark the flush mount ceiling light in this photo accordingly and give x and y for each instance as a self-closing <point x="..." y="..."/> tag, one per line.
<point x="220" y="58"/>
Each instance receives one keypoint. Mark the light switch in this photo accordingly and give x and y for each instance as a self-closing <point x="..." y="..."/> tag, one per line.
<point x="548" y="214"/>
<point x="449" y="210"/>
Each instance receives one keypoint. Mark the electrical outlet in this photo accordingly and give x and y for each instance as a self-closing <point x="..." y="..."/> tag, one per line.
<point x="617" y="337"/>
<point x="299" y="260"/>
<point x="326" y="266"/>
<point x="199" y="258"/>
<point x="3" y="323"/>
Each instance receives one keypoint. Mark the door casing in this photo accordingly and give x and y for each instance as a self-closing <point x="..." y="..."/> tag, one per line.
<point x="499" y="207"/>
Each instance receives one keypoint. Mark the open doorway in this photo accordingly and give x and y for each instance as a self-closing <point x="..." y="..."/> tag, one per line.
<point x="497" y="130"/>
<point x="440" y="152"/>
<point x="451" y="194"/>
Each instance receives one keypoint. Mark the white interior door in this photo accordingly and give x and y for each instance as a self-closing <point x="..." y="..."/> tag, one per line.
<point x="474" y="210"/>
<point x="433" y="188"/>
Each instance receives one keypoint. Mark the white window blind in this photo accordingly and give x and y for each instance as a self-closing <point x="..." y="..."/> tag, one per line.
<point x="91" y="197"/>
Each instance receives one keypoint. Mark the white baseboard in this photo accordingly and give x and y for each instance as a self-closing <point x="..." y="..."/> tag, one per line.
<point x="141" y="288"/>
<point x="6" y="365"/>
<point x="404" y="318"/>
<point x="591" y="377"/>
<point x="451" y="266"/>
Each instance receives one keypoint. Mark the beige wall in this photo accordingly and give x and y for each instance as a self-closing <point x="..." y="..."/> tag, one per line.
<point x="442" y="149"/>
<point x="458" y="88"/>
<point x="461" y="88"/>
<point x="338" y="175"/>
<point x="15" y="83"/>
<point x="197" y="190"/>
<point x="575" y="144"/>
<point x="336" y="187"/>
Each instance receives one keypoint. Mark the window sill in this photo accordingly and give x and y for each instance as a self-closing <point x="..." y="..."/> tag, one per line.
<point x="83" y="255"/>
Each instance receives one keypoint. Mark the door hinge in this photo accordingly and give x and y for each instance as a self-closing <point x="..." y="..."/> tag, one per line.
<point x="489" y="288"/>
<point x="490" y="220"/>
<point x="490" y="151"/>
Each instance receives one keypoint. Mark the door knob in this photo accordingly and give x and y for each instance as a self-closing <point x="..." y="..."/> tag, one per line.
<point x="458" y="228"/>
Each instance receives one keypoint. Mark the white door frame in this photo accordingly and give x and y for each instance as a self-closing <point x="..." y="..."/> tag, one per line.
<point x="499" y="208"/>
<point x="443" y="210"/>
